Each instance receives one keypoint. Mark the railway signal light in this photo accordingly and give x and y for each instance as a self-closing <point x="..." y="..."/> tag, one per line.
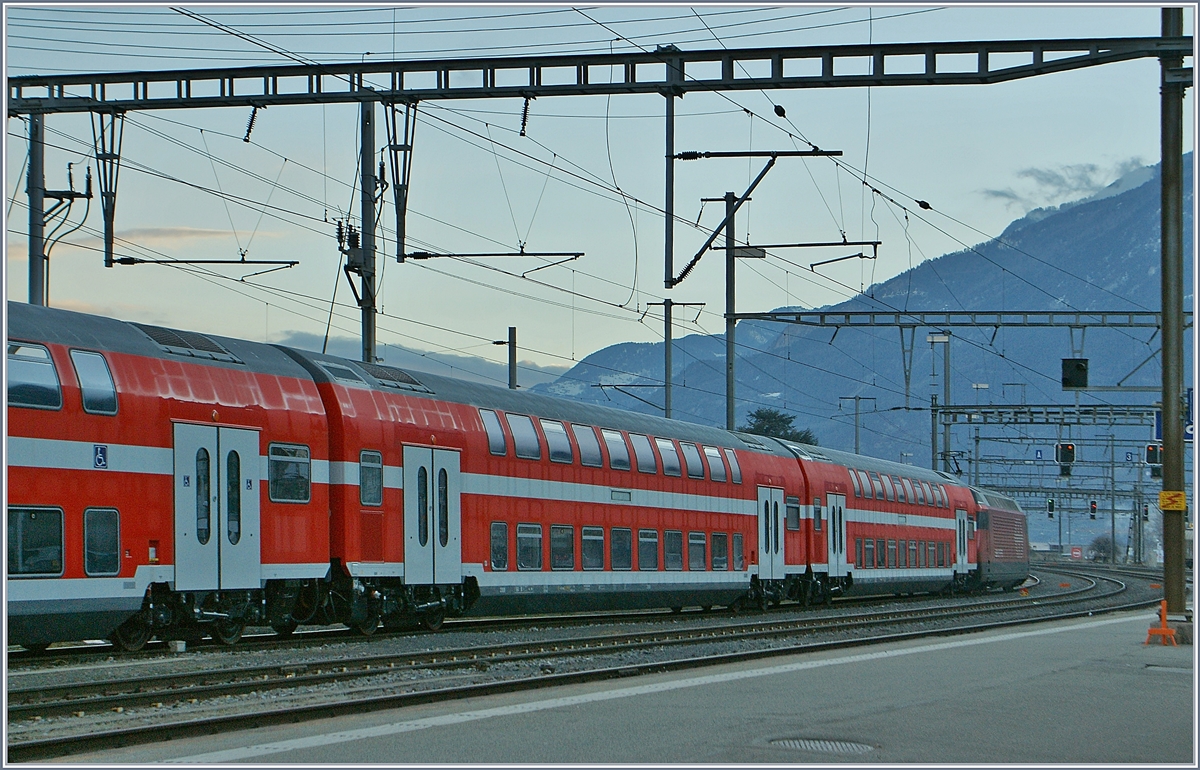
<point x="1154" y="453"/>
<point x="1064" y="455"/>
<point x="1074" y="373"/>
<point x="1050" y="507"/>
<point x="1092" y="509"/>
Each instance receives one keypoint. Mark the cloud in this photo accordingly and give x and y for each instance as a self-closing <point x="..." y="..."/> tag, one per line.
<point x="173" y="234"/>
<point x="1056" y="185"/>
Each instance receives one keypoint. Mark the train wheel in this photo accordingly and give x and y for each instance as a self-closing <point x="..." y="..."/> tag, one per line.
<point x="432" y="621"/>
<point x="228" y="632"/>
<point x="131" y="635"/>
<point x="368" y="626"/>
<point x="285" y="627"/>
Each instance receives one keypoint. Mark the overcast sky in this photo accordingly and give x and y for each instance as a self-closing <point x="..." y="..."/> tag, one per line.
<point x="980" y="155"/>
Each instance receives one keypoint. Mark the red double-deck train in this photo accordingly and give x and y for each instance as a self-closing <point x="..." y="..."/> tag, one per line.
<point x="164" y="482"/>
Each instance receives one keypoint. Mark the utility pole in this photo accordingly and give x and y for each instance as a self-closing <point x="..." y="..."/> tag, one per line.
<point x="367" y="201"/>
<point x="35" y="187"/>
<point x="1112" y="499"/>
<point x="856" y="400"/>
<point x="669" y="341"/>
<point x="1173" y="500"/>
<point x="943" y="338"/>
<point x="730" y="321"/>
<point x="933" y="442"/>
<point x="512" y="356"/>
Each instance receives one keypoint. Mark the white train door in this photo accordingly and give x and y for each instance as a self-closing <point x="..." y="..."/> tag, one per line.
<point x="960" y="552"/>
<point x="835" y="538"/>
<point x="216" y="508"/>
<point x="770" y="534"/>
<point x="432" y="517"/>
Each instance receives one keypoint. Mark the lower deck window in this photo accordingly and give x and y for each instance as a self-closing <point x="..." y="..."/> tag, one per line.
<point x="35" y="541"/>
<point x="912" y="553"/>
<point x="858" y="551"/>
<point x="593" y="548"/>
<point x="499" y="545"/>
<point x="739" y="553"/>
<point x="622" y="548"/>
<point x="720" y="551"/>
<point x="869" y="555"/>
<point x="529" y="546"/>
<point x="941" y="554"/>
<point x="673" y="550"/>
<point x="647" y="549"/>
<point x="101" y="541"/>
<point x="793" y="513"/>
<point x="696" y="560"/>
<point x="902" y="553"/>
<point x="562" y="547"/>
<point x="881" y="553"/>
<point x="891" y="557"/>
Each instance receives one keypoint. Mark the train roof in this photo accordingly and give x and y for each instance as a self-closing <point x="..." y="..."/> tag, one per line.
<point x="990" y="498"/>
<point x="82" y="330"/>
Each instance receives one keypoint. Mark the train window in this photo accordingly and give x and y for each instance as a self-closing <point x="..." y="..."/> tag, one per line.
<point x="562" y="547"/>
<point x="931" y="552"/>
<point x="672" y="550"/>
<point x="817" y="514"/>
<point x="618" y="451"/>
<point x="891" y="557"/>
<point x="696" y="551"/>
<point x="647" y="549"/>
<point x="908" y="490"/>
<point x="865" y="480"/>
<point x="926" y="494"/>
<point x="793" y="512"/>
<point x="233" y="497"/>
<point x="869" y="555"/>
<point x="95" y="382"/>
<point x="945" y="496"/>
<point x="716" y="466"/>
<point x="35" y="541"/>
<point x="556" y="439"/>
<point x="971" y="529"/>
<point x="858" y="552"/>
<point x="901" y="496"/>
<point x="101" y="541"/>
<point x="32" y="378"/>
<point x="593" y="548"/>
<point x="941" y="554"/>
<point x="739" y="552"/>
<point x="888" y="491"/>
<point x="644" y="453"/>
<point x="289" y="473"/>
<point x="776" y="541"/>
<point x="622" y="548"/>
<point x="589" y="447"/>
<point x="525" y="438"/>
<point x="881" y="553"/>
<point x="921" y="554"/>
<point x="497" y="443"/>
<point x="691" y="458"/>
<point x="854" y="481"/>
<point x="876" y="484"/>
<point x="529" y="546"/>
<point x="939" y="493"/>
<point x="370" y="478"/>
<point x="720" y="551"/>
<point x="912" y="553"/>
<point x="670" y="458"/>
<point x="936" y="497"/>
<point x="499" y="545"/>
<point x="443" y="504"/>
<point x="203" y="500"/>
<point x="423" y="506"/>
<point x="735" y="472"/>
<point x="902" y="553"/>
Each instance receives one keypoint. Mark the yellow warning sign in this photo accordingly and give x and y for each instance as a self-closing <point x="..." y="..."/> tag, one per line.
<point x="1172" y="501"/>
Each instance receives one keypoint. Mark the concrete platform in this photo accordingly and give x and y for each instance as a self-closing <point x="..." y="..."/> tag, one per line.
<point x="1082" y="691"/>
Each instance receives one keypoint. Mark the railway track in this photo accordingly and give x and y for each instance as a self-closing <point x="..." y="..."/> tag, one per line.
<point x="372" y="682"/>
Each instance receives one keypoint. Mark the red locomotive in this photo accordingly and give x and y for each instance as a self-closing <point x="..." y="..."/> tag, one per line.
<point x="170" y="483"/>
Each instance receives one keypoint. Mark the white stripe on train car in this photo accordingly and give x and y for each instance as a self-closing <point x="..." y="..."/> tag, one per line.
<point x="299" y="571"/>
<point x="564" y="491"/>
<point x="893" y="519"/>
<point x="348" y="473"/>
<point x="567" y="579"/>
<point x="41" y="590"/>
<point x="59" y="454"/>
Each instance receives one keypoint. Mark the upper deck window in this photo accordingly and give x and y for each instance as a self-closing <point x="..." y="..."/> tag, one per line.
<point x="618" y="452"/>
<point x="644" y="453"/>
<point x="95" y="382"/>
<point x="589" y="447"/>
<point x="525" y="438"/>
<point x="691" y="458"/>
<point x="670" y="458"/>
<point x="734" y="470"/>
<point x="32" y="378"/>
<point x="560" y="445"/>
<point x="716" y="466"/>
<point x="497" y="443"/>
